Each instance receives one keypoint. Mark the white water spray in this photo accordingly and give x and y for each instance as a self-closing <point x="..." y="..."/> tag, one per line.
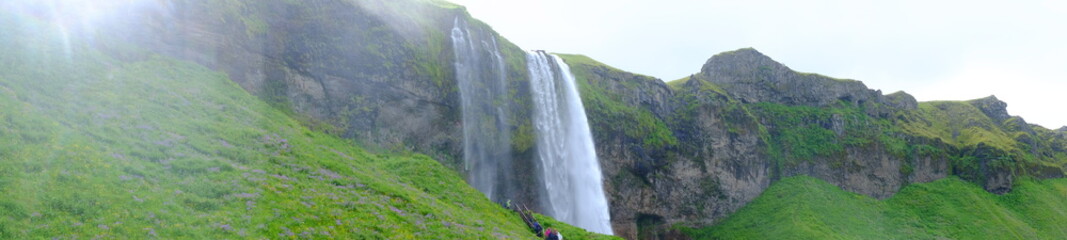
<point x="482" y="80"/>
<point x="568" y="161"/>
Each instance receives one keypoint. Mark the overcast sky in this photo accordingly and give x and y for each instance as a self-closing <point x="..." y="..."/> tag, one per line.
<point x="935" y="50"/>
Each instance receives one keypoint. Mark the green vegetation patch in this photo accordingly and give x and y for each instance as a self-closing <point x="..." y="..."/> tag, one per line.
<point x="1009" y="145"/>
<point x="958" y="123"/>
<point x="804" y="133"/>
<point x="807" y="208"/>
<point x="678" y="83"/>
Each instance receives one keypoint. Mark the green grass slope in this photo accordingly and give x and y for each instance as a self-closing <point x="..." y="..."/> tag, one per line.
<point x="960" y="124"/>
<point x="95" y="147"/>
<point x="807" y="208"/>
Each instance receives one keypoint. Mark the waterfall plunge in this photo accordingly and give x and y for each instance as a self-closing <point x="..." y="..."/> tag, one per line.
<point x="482" y="81"/>
<point x="570" y="170"/>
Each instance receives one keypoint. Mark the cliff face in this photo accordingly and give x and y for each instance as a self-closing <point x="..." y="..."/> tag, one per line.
<point x="334" y="62"/>
<point x="853" y="149"/>
<point x="377" y="71"/>
<point x="708" y="144"/>
<point x="380" y="72"/>
<point x="655" y="174"/>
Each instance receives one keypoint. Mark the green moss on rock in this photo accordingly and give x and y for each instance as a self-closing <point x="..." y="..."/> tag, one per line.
<point x="614" y="114"/>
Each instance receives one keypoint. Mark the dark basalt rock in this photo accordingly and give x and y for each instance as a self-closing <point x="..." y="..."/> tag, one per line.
<point x="753" y="77"/>
<point x="992" y="107"/>
<point x="902" y="100"/>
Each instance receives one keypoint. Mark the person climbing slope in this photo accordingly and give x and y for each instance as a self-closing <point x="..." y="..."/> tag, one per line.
<point x="537" y="229"/>
<point x="527" y="217"/>
<point x="536" y="225"/>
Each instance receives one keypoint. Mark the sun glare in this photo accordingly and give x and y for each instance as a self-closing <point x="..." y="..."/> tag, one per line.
<point x="74" y="20"/>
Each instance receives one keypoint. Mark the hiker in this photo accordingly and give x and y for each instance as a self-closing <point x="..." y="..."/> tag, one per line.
<point x="527" y="217"/>
<point x="534" y="224"/>
<point x="551" y="234"/>
<point x="537" y="229"/>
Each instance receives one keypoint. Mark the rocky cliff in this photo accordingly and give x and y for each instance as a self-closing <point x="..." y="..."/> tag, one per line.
<point x="718" y="138"/>
<point x="358" y="69"/>
<point x="376" y="71"/>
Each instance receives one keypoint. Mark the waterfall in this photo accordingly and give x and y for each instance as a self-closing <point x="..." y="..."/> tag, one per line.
<point x="566" y="158"/>
<point x="482" y="80"/>
<point x="571" y="172"/>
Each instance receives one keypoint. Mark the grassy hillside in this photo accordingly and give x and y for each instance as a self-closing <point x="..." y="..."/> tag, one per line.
<point x="808" y="208"/>
<point x="95" y="147"/>
<point x="960" y="124"/>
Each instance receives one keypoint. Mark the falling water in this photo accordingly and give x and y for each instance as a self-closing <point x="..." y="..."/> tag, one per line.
<point x="568" y="159"/>
<point x="482" y="81"/>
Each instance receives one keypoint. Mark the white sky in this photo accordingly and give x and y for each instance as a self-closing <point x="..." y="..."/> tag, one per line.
<point x="935" y="50"/>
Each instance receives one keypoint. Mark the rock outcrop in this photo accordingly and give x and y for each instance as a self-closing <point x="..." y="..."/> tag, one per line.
<point x="902" y="100"/>
<point x="992" y="107"/>
<point x="752" y="77"/>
